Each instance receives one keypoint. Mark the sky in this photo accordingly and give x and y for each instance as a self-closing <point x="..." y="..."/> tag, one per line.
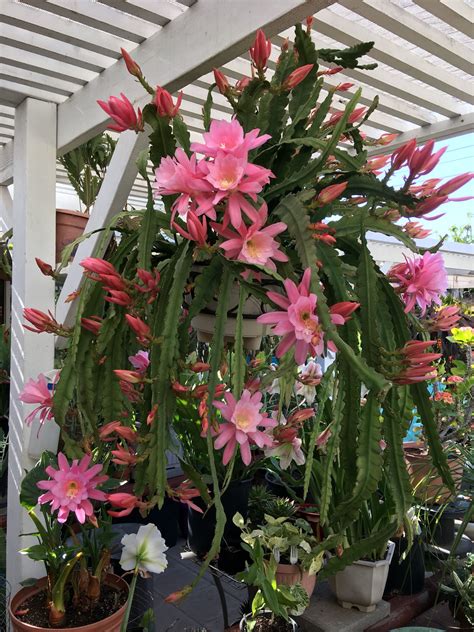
<point x="458" y="158"/>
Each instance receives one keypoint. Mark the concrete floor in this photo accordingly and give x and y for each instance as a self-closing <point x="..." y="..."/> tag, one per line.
<point x="199" y="612"/>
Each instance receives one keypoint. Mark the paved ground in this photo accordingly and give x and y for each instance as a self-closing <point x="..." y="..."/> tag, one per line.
<point x="201" y="610"/>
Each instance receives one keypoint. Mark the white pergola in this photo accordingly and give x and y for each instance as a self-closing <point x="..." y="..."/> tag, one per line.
<point x="57" y="57"/>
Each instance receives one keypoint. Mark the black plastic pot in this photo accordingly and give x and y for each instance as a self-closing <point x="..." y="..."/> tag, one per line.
<point x="406" y="577"/>
<point x="201" y="527"/>
<point x="166" y="519"/>
<point x="277" y="488"/>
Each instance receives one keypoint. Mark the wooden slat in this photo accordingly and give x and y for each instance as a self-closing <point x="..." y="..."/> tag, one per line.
<point x="456" y="13"/>
<point x="38" y="79"/>
<point x="13" y="93"/>
<point x="413" y="29"/>
<point x="349" y="33"/>
<point x="158" y="12"/>
<point x="98" y="16"/>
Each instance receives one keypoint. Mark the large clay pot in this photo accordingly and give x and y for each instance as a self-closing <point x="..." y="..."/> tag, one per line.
<point x="69" y="226"/>
<point x="306" y="511"/>
<point x="110" y="624"/>
<point x="291" y="574"/>
<point x="426" y="481"/>
<point x="362" y="584"/>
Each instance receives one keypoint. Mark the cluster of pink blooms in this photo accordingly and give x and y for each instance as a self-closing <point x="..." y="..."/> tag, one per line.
<point x="416" y="364"/>
<point x="72" y="487"/>
<point x="42" y="322"/>
<point x="298" y="323"/>
<point x="223" y="175"/>
<point x="420" y="281"/>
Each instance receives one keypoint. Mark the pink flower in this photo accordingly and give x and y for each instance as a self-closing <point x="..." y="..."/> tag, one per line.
<point x="403" y="154"/>
<point x="416" y="231"/>
<point x="244" y="419"/>
<point x="228" y="137"/>
<point x="186" y="177"/>
<point x="37" y="392"/>
<point x="125" y="502"/>
<point x="140" y="361"/>
<point x="197" y="229"/>
<point x="422" y="161"/>
<point x="298" y="324"/>
<point x="455" y="183"/>
<point x="72" y="488"/>
<point x="233" y="176"/>
<point x="132" y="66"/>
<point x="254" y="244"/>
<point x="454" y="379"/>
<point x="355" y="116"/>
<point x="41" y="322"/>
<point x="122" y="112"/>
<point x="415" y="363"/>
<point x="185" y="492"/>
<point x="132" y="377"/>
<point x="92" y="324"/>
<point x="445" y="319"/>
<point x="420" y="281"/>
<point x="307" y="380"/>
<point x="287" y="452"/>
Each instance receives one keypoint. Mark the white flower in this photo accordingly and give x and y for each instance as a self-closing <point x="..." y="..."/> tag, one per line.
<point x="144" y="550"/>
<point x="310" y="376"/>
<point x="287" y="452"/>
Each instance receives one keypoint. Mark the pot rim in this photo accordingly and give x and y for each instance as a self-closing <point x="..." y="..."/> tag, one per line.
<point x="249" y="614"/>
<point x="40" y="586"/>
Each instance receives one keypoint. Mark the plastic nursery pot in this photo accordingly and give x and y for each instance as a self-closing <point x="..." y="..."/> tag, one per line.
<point x="406" y="576"/>
<point x="427" y="483"/>
<point x="291" y="574"/>
<point x="361" y="584"/>
<point x="243" y="622"/>
<point x="110" y="624"/>
<point x="69" y="226"/>
<point x="201" y="527"/>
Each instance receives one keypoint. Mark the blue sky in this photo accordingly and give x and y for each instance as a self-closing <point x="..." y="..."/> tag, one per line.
<point x="458" y="158"/>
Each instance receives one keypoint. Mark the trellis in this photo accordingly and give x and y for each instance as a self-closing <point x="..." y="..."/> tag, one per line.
<point x="57" y="57"/>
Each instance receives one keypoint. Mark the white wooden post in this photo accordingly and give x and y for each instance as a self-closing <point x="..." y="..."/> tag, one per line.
<point x="5" y="209"/>
<point x="34" y="221"/>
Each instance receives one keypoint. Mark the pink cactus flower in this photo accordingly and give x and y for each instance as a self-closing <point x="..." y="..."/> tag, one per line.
<point x="186" y="177"/>
<point x="420" y="281"/>
<point x="140" y="328"/>
<point x="455" y="379"/>
<point x="455" y="183"/>
<point x="228" y="137"/>
<point x="72" y="488"/>
<point x="416" y="231"/>
<point x="197" y="229"/>
<point x="242" y="428"/>
<point x="254" y="244"/>
<point x="140" y="361"/>
<point x="415" y="363"/>
<point x="123" y="113"/>
<point x="298" y="323"/>
<point x="37" y="392"/>
<point x="125" y="502"/>
<point x="287" y="452"/>
<point x="233" y="177"/>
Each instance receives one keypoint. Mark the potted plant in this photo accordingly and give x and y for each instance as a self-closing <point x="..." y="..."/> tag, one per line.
<point x="269" y="193"/>
<point x="406" y="574"/>
<point x="290" y="543"/>
<point x="361" y="583"/>
<point x="79" y="591"/>
<point x="272" y="604"/>
<point x="85" y="167"/>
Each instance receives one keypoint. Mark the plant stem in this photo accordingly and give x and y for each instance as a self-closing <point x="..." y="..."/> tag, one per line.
<point x="131" y="592"/>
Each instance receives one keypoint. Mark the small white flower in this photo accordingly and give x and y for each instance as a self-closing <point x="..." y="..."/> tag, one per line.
<point x="144" y="550"/>
<point x="287" y="452"/>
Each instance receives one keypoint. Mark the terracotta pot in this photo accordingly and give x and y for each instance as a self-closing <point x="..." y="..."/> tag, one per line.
<point x="110" y="624"/>
<point x="291" y="574"/>
<point x="426" y="481"/>
<point x="69" y="226"/>
<point x="313" y="517"/>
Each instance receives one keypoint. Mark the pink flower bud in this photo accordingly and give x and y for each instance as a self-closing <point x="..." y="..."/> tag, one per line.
<point x="297" y="76"/>
<point x="132" y="66"/>
<point x="260" y="51"/>
<point x="453" y="185"/>
<point x="45" y="268"/>
<point x="331" y="193"/>
<point x="221" y="80"/>
<point x="123" y="113"/>
<point x="164" y="103"/>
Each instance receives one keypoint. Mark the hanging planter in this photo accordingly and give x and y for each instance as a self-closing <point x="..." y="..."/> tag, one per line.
<point x="25" y="609"/>
<point x="361" y="585"/>
<point x="69" y="226"/>
<point x="204" y="323"/>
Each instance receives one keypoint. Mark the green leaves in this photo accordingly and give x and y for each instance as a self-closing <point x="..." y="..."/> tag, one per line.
<point x="147" y="232"/>
<point x="367" y="292"/>
<point x="348" y="57"/>
<point x="29" y="490"/>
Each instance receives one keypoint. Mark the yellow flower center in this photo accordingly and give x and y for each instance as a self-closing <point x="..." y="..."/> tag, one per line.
<point x="72" y="489"/>
<point x="241" y="420"/>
